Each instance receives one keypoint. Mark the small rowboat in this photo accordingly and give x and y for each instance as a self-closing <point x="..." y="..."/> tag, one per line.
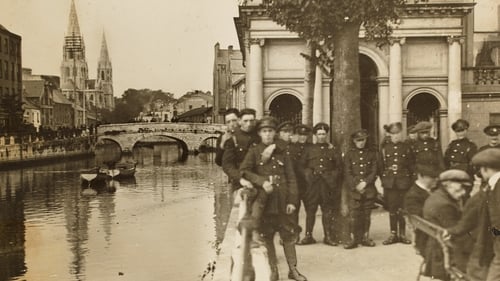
<point x="126" y="169"/>
<point x="93" y="177"/>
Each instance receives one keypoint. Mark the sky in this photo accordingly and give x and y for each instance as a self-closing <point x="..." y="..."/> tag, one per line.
<point x="156" y="44"/>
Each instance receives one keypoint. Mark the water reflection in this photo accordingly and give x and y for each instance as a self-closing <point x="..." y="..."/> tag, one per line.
<point x="164" y="224"/>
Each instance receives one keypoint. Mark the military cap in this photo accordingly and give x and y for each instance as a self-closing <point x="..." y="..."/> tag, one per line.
<point x="487" y="158"/>
<point x="359" y="135"/>
<point x="455" y="175"/>
<point x="393" y="128"/>
<point x="321" y="126"/>
<point x="460" y="125"/>
<point x="411" y="129"/>
<point x="267" y="122"/>
<point x="423" y="126"/>
<point x="492" y="130"/>
<point x="428" y="170"/>
<point x="285" y="126"/>
<point x="302" y="129"/>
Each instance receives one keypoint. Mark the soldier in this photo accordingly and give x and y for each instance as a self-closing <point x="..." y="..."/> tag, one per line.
<point x="412" y="135"/>
<point x="415" y="198"/>
<point x="443" y="208"/>
<point x="492" y="131"/>
<point x="285" y="131"/>
<point x="460" y="151"/>
<point x="489" y="162"/>
<point x="397" y="165"/>
<point x="231" y="120"/>
<point x="426" y="149"/>
<point x="323" y="163"/>
<point x="236" y="147"/>
<point x="360" y="168"/>
<point x="276" y="177"/>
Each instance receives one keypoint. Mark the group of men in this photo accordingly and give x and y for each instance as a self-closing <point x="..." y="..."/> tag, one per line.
<point x="282" y="166"/>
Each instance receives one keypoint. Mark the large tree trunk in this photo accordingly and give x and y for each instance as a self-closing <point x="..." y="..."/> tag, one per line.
<point x="346" y="115"/>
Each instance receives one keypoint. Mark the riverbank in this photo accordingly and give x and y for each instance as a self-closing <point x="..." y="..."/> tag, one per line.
<point x="14" y="155"/>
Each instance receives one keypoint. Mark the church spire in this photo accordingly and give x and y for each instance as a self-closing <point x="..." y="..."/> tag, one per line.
<point x="104" y="49"/>
<point x="73" y="26"/>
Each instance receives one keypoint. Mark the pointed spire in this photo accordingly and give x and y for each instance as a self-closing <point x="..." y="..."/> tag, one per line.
<point x="73" y="26"/>
<point x="104" y="49"/>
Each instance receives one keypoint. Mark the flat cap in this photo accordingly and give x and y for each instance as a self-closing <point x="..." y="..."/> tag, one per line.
<point x="393" y="128"/>
<point x="492" y="130"/>
<point x="423" y="126"/>
<point x="302" y="129"/>
<point x="321" y="126"/>
<point x="428" y="170"/>
<point x="285" y="126"/>
<point x="267" y="122"/>
<point x="410" y="129"/>
<point x="460" y="125"/>
<point x="455" y="175"/>
<point x="359" y="134"/>
<point x="489" y="157"/>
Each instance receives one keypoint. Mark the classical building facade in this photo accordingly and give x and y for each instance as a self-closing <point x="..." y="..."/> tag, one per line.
<point x="228" y="69"/>
<point x="429" y="71"/>
<point x="89" y="94"/>
<point x="11" y="113"/>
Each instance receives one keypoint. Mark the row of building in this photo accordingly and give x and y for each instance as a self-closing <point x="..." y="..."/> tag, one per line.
<point x="68" y="100"/>
<point x="439" y="66"/>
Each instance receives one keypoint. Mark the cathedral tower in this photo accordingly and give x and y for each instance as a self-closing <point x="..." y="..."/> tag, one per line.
<point x="105" y="76"/>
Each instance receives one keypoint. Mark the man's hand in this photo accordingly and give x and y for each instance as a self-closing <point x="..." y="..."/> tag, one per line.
<point x="330" y="145"/>
<point x="360" y="187"/>
<point x="246" y="183"/>
<point x="268" y="151"/>
<point x="446" y="235"/>
<point x="290" y="208"/>
<point x="268" y="187"/>
<point x="226" y="136"/>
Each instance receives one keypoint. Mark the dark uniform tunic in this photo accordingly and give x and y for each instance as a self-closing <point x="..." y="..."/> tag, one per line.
<point x="443" y="211"/>
<point x="361" y="165"/>
<point x="488" y="146"/>
<point x="459" y="154"/>
<point x="322" y="164"/>
<point x="414" y="204"/>
<point x="428" y="153"/>
<point x="296" y="152"/>
<point x="235" y="150"/>
<point x="397" y="165"/>
<point x="280" y="169"/>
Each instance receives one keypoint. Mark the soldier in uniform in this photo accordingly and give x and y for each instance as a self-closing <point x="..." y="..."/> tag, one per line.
<point x="231" y="120"/>
<point x="489" y="162"/>
<point x="276" y="177"/>
<point x="360" y="170"/>
<point x="460" y="151"/>
<point x="492" y="131"/>
<point x="397" y="165"/>
<point x="426" y="149"/>
<point x="323" y="163"/>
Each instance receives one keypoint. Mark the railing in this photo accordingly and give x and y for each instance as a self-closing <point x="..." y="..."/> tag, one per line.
<point x="485" y="75"/>
<point x="436" y="232"/>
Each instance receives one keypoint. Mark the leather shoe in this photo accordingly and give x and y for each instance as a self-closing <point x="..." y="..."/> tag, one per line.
<point x="404" y="240"/>
<point x="308" y="240"/>
<point x="294" y="274"/>
<point x="393" y="239"/>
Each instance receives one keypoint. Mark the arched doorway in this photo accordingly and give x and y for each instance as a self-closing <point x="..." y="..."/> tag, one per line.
<point x="286" y="107"/>
<point x="424" y="107"/>
<point x="369" y="96"/>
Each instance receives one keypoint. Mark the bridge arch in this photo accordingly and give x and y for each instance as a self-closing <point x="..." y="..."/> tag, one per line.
<point x="181" y="142"/>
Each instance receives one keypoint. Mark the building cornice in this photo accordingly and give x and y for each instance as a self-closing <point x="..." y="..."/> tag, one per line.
<point x="437" y="9"/>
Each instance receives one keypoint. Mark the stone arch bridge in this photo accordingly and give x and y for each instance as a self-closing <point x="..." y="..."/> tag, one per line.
<point x="190" y="135"/>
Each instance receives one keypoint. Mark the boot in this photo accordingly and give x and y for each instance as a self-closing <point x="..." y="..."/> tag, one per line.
<point x="366" y="241"/>
<point x="328" y="238"/>
<point x="273" y="260"/>
<point x="391" y="239"/>
<point x="307" y="240"/>
<point x="327" y="220"/>
<point x="353" y="243"/>
<point x="291" y="259"/>
<point x="402" y="232"/>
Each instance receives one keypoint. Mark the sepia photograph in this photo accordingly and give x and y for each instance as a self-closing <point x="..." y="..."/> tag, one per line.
<point x="250" y="140"/>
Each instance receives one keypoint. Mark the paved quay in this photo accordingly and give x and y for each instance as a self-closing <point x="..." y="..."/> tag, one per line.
<point x="320" y="262"/>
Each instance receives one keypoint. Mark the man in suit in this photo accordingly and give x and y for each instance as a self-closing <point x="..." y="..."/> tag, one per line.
<point x="323" y="164"/>
<point x="231" y="120"/>
<point x="488" y="162"/>
<point x="415" y="199"/>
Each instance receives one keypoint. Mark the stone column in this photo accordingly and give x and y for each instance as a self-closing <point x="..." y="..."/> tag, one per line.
<point x="454" y="80"/>
<point x="395" y="80"/>
<point x="383" y="105"/>
<point x="318" y="97"/>
<point x="444" y="132"/>
<point x="255" y="86"/>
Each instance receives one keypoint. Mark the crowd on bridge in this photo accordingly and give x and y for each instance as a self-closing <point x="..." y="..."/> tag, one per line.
<point x="280" y="166"/>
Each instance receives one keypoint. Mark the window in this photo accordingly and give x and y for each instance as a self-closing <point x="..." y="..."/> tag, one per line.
<point x="12" y="71"/>
<point x="190" y="107"/>
<point x="6" y="45"/>
<point x="494" y="118"/>
<point x="6" y="71"/>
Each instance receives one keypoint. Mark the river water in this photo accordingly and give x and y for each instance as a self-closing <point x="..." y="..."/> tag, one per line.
<point x="165" y="224"/>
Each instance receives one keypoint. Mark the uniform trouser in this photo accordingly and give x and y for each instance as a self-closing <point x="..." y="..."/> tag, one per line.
<point x="318" y="194"/>
<point x="474" y="270"/>
<point x="286" y="226"/>
<point x="394" y="199"/>
<point x="258" y="205"/>
<point x="361" y="206"/>
<point x="494" y="270"/>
